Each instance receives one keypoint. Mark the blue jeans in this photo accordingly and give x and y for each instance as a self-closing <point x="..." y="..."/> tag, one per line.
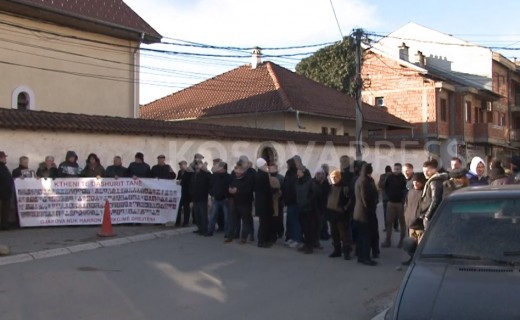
<point x="293" y="219"/>
<point x="216" y="205"/>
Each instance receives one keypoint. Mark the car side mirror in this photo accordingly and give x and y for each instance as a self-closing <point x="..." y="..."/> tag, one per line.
<point x="410" y="245"/>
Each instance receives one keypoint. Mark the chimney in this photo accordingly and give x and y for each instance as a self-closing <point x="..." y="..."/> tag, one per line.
<point x="403" y="52"/>
<point x="421" y="59"/>
<point x="257" y="58"/>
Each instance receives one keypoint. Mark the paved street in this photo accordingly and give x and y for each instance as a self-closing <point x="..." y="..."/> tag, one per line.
<point x="192" y="277"/>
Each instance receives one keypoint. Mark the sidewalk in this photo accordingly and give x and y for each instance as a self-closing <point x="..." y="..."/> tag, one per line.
<point x="30" y="240"/>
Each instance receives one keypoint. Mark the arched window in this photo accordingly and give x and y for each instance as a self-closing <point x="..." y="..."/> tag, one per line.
<point x="23" y="101"/>
<point x="23" y="98"/>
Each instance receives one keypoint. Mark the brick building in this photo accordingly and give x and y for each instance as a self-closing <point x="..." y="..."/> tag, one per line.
<point x="461" y="98"/>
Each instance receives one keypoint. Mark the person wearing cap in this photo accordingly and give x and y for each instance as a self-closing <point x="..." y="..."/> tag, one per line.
<point x="278" y="230"/>
<point x="219" y="192"/>
<point x="458" y="180"/>
<point x="70" y="167"/>
<point x="498" y="175"/>
<point x="215" y="167"/>
<point x="6" y="191"/>
<point x="200" y="185"/>
<point x="412" y="205"/>
<point x="116" y="170"/>
<point x="264" y="208"/>
<point x="138" y="168"/>
<point x="184" y="179"/>
<point x="162" y="170"/>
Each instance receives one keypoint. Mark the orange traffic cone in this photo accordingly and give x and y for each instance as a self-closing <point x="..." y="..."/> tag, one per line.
<point x="106" y="227"/>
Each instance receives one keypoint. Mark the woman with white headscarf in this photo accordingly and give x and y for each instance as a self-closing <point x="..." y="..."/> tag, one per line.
<point x="477" y="172"/>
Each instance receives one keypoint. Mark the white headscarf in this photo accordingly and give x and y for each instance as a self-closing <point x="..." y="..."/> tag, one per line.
<point x="474" y="163"/>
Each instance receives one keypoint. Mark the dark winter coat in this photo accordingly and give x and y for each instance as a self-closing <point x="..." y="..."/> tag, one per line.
<point x="289" y="184"/>
<point x="474" y="180"/>
<point x="306" y="194"/>
<point x="140" y="170"/>
<point x="220" y="185"/>
<point x="92" y="172"/>
<point x="44" y="172"/>
<point x="162" y="172"/>
<point x="245" y="189"/>
<point x="432" y="194"/>
<point x="448" y="187"/>
<point x="6" y="183"/>
<point x="185" y="178"/>
<point x="116" y="171"/>
<point x="21" y="171"/>
<point x="200" y="185"/>
<point x="68" y="169"/>
<point x="395" y="188"/>
<point x="263" y="195"/>
<point x="322" y="192"/>
<point x="366" y="199"/>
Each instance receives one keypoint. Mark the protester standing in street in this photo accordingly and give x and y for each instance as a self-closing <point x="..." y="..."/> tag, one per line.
<point x="70" y="167"/>
<point x="477" y="172"/>
<point x="292" y="229"/>
<point x="278" y="224"/>
<point x="47" y="169"/>
<point x="219" y="193"/>
<point x="365" y="214"/>
<point x="306" y="200"/>
<point x="432" y="192"/>
<point x="138" y="168"/>
<point x="395" y="189"/>
<point x="93" y="167"/>
<point x="322" y="186"/>
<point x="23" y="171"/>
<point x="458" y="180"/>
<point x="6" y="192"/>
<point x="116" y="170"/>
<point x="336" y="213"/>
<point x="412" y="209"/>
<point x="241" y="199"/>
<point x="184" y="180"/>
<point x="199" y="188"/>
<point x="264" y="206"/>
<point x="162" y="170"/>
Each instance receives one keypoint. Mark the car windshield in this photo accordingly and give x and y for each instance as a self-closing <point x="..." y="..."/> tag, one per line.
<point x="480" y="229"/>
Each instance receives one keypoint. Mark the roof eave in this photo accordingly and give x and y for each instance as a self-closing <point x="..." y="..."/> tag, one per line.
<point x="393" y="125"/>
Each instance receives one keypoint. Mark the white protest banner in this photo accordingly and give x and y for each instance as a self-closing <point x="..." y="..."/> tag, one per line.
<point x="81" y="201"/>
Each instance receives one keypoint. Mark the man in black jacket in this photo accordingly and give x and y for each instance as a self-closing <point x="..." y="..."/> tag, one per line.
<point x="138" y="168"/>
<point x="23" y="169"/>
<point x="395" y="188"/>
<point x="219" y="196"/>
<point x="6" y="191"/>
<point x="433" y="190"/>
<point x="264" y="207"/>
<point x="292" y="226"/>
<point x="199" y="189"/>
<point x="116" y="170"/>
<point x="241" y="200"/>
<point x="184" y="179"/>
<point x="162" y="170"/>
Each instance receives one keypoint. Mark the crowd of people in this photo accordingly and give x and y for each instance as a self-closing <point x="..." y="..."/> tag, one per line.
<point x="328" y="204"/>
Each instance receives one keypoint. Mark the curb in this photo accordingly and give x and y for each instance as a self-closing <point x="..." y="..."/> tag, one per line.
<point x="44" y="254"/>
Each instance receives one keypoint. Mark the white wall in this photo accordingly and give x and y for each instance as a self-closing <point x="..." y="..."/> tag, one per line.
<point x="36" y="145"/>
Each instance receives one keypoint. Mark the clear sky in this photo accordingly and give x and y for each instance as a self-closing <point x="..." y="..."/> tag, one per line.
<point x="283" y="23"/>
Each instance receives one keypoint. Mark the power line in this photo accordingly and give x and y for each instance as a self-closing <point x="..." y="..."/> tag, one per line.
<point x="336" y="18"/>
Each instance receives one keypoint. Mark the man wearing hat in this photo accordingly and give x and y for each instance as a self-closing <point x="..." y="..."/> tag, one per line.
<point x="6" y="191"/>
<point x="162" y="170"/>
<point x="199" y="191"/>
<point x="412" y="208"/>
<point x="139" y="168"/>
<point x="264" y="208"/>
<point x="458" y="180"/>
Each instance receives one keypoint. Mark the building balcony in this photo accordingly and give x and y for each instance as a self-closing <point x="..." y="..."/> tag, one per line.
<point x="489" y="133"/>
<point x="515" y="136"/>
<point x="515" y="108"/>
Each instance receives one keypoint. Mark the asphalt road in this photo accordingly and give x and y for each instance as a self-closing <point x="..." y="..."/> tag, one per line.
<point x="192" y="277"/>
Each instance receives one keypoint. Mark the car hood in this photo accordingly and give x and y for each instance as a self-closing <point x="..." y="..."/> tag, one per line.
<point x="460" y="291"/>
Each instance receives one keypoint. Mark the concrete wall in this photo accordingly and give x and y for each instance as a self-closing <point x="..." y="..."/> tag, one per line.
<point x="64" y="74"/>
<point x="36" y="145"/>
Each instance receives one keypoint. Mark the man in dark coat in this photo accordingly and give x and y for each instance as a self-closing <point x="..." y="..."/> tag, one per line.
<point x="6" y="192"/>
<point x="279" y="228"/>
<point x="365" y="213"/>
<point x="23" y="169"/>
<point x="514" y="178"/>
<point x="322" y="187"/>
<point x="162" y="170"/>
<point x="47" y="169"/>
<point x="184" y="179"/>
<point x="433" y="190"/>
<point x="241" y="200"/>
<point x="306" y="199"/>
<point x="199" y="189"/>
<point x="264" y="208"/>
<point x="117" y="170"/>
<point x="219" y="193"/>
<point x="138" y="168"/>
<point x="395" y="189"/>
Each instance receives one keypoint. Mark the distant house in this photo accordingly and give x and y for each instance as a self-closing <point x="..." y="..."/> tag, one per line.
<point x="266" y="95"/>
<point x="71" y="56"/>
<point x="462" y="98"/>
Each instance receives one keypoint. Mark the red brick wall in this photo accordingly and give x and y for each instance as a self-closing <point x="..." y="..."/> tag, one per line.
<point x="403" y="90"/>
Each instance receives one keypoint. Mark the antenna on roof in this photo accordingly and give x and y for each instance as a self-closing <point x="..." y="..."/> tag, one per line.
<point x="257" y="58"/>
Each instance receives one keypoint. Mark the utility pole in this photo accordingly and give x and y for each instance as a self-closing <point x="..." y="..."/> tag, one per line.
<point x="358" y="33"/>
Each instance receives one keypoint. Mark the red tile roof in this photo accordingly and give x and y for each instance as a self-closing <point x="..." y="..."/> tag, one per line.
<point x="113" y="13"/>
<point x="68" y="122"/>
<point x="268" y="88"/>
